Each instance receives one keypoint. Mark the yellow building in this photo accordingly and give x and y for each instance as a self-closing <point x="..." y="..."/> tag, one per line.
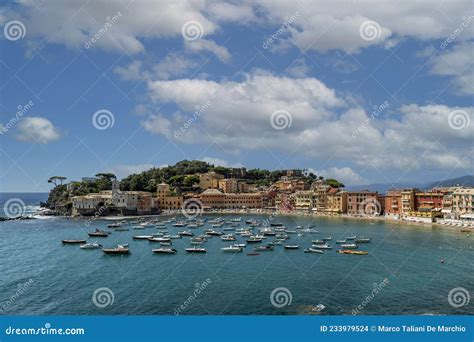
<point x="463" y="201"/>
<point x="229" y="185"/>
<point x="166" y="200"/>
<point x="215" y="199"/>
<point x="336" y="202"/>
<point x="209" y="180"/>
<point x="304" y="200"/>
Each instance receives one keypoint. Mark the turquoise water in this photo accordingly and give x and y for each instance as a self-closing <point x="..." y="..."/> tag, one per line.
<point x="64" y="277"/>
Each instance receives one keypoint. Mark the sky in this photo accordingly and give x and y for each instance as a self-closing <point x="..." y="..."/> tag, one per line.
<point x="361" y="91"/>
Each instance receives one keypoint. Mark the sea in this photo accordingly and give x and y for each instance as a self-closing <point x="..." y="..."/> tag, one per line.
<point x="409" y="270"/>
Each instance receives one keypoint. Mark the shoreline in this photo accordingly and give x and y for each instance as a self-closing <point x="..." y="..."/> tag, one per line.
<point x="273" y="214"/>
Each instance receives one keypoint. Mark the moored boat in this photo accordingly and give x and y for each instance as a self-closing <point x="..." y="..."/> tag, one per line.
<point x="163" y="250"/>
<point x="91" y="245"/>
<point x="349" y="246"/>
<point x="120" y="249"/>
<point x="313" y="250"/>
<point x="99" y="233"/>
<point x="142" y="237"/>
<point x="231" y="249"/>
<point x="195" y="250"/>
<point x="321" y="246"/>
<point x="291" y="246"/>
<point x="71" y="242"/>
<point x="363" y="240"/>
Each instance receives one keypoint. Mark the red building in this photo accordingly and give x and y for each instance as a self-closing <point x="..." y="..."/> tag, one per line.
<point x="429" y="200"/>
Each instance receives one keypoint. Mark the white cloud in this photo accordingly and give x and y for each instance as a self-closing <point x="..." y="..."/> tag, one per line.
<point x="37" y="129"/>
<point x="208" y="45"/>
<point x="323" y="124"/>
<point x="172" y="66"/>
<point x="131" y="72"/>
<point x="458" y="64"/>
<point x="344" y="174"/>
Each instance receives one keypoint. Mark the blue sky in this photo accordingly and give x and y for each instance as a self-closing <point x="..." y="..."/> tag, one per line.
<point x="362" y="93"/>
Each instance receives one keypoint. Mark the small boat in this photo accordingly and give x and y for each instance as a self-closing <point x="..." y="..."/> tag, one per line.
<point x="186" y="233"/>
<point x="322" y="246"/>
<point x="276" y="242"/>
<point x="291" y="246"/>
<point x="363" y="240"/>
<point x="146" y="224"/>
<point x="351" y="237"/>
<point x="327" y="238"/>
<point x="158" y="239"/>
<point x="341" y="241"/>
<point x="240" y="245"/>
<point x="120" y="249"/>
<point x="349" y="246"/>
<point x="231" y="249"/>
<point x="313" y="250"/>
<point x="263" y="248"/>
<point x="195" y="250"/>
<point x="142" y="237"/>
<point x="269" y="233"/>
<point x="349" y="251"/>
<point x="166" y="243"/>
<point x="73" y="241"/>
<point x="276" y="224"/>
<point x="318" y="242"/>
<point x="253" y="239"/>
<point x="253" y="254"/>
<point x="214" y="233"/>
<point x="163" y="250"/>
<point x="92" y="245"/>
<point x="114" y="225"/>
<point x="175" y="237"/>
<point x="228" y="238"/>
<point x="98" y="233"/>
<point x="318" y="308"/>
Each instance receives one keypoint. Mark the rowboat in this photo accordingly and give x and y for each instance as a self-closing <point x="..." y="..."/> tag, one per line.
<point x="159" y="239"/>
<point x="322" y="246"/>
<point x="231" y="249"/>
<point x="348" y="251"/>
<point x="73" y="241"/>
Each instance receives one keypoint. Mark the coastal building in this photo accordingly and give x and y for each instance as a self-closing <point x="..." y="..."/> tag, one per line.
<point x="215" y="199"/>
<point x="116" y="201"/>
<point x="209" y="180"/>
<point x="304" y="200"/>
<point x="393" y="203"/>
<point x="463" y="201"/>
<point x="229" y="185"/>
<point x="408" y="201"/>
<point x="290" y="185"/>
<point x="321" y="189"/>
<point x="166" y="199"/>
<point x="363" y="203"/>
<point x="429" y="200"/>
<point x="336" y="202"/>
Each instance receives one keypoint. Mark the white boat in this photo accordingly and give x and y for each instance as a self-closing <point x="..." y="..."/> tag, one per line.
<point x="314" y="250"/>
<point x="240" y="245"/>
<point x="341" y="241"/>
<point x="195" y="250"/>
<point x="318" y="308"/>
<point x="349" y="246"/>
<point x="329" y="238"/>
<point x="291" y="247"/>
<point x="228" y="237"/>
<point x="142" y="237"/>
<point x="159" y="239"/>
<point x="363" y="240"/>
<point x="91" y="245"/>
<point x="231" y="249"/>
<point x="147" y="224"/>
<point x="163" y="250"/>
<point x="351" y="237"/>
<point x="321" y="246"/>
